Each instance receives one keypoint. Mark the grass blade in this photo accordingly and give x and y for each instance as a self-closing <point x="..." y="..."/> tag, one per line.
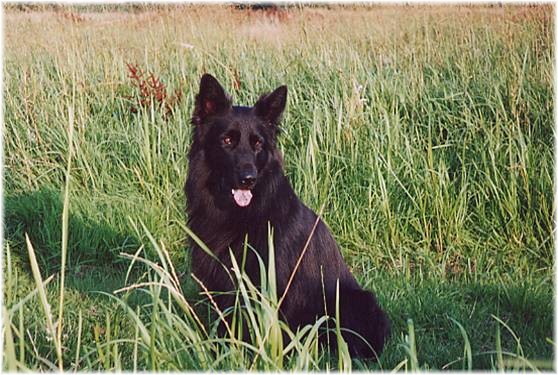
<point x="468" y="354"/>
<point x="65" y="229"/>
<point x="9" y="345"/>
<point x="43" y="299"/>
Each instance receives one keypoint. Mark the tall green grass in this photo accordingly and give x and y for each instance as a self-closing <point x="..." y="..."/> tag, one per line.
<point x="425" y="135"/>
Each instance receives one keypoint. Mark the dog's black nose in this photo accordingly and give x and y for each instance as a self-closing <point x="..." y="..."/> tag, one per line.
<point x="247" y="180"/>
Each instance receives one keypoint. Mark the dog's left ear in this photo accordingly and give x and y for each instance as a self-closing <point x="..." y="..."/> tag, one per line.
<point x="270" y="107"/>
<point x="212" y="100"/>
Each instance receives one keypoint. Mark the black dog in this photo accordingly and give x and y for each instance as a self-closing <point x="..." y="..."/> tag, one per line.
<point x="236" y="186"/>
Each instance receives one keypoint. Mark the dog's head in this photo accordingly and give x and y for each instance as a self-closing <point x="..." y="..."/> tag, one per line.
<point x="238" y="141"/>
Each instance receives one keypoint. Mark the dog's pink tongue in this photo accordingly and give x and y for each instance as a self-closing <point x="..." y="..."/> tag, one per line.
<point x="242" y="197"/>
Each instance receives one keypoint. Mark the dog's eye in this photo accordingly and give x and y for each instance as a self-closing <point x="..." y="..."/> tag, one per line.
<point x="258" y="143"/>
<point x="227" y="141"/>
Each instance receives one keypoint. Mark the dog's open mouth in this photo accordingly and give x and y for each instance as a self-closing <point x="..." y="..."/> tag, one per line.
<point x="242" y="197"/>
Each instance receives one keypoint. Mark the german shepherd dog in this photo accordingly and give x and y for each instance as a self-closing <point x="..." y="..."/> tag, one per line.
<point x="235" y="187"/>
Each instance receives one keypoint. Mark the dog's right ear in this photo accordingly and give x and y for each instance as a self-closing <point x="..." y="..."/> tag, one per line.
<point x="211" y="100"/>
<point x="271" y="106"/>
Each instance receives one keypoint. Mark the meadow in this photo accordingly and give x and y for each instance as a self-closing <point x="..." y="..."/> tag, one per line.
<point x="424" y="135"/>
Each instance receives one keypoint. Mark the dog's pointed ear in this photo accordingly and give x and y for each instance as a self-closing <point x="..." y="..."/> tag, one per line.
<point x="211" y="100"/>
<point x="270" y="107"/>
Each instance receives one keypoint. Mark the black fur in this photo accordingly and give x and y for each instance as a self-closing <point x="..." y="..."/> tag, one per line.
<point x="230" y="143"/>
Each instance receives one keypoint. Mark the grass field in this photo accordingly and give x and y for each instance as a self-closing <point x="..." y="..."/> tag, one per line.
<point x="425" y="132"/>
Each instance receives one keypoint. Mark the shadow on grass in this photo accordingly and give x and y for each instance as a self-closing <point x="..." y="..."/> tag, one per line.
<point x="94" y="246"/>
<point x="525" y="306"/>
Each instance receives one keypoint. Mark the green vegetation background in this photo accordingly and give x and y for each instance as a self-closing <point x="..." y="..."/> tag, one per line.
<point x="426" y="132"/>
